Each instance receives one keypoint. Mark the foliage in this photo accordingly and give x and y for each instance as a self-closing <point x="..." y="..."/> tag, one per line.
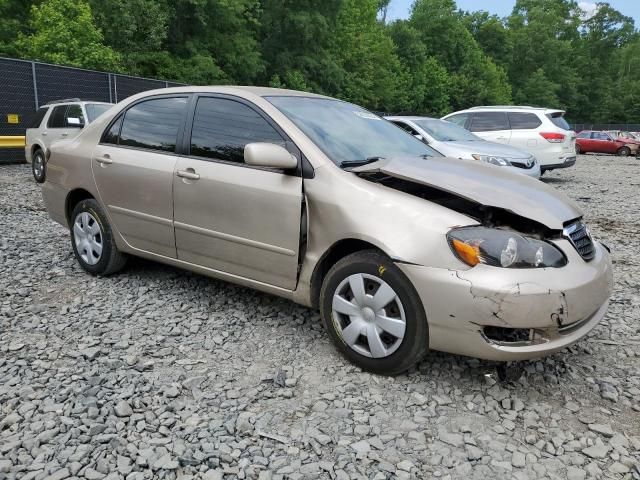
<point x="547" y="52"/>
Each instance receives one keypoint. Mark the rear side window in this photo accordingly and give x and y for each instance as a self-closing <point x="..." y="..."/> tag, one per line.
<point x="584" y="134"/>
<point x="153" y="124"/>
<point x="523" y="121"/>
<point x="74" y="116"/>
<point x="57" y="117"/>
<point x="459" y="119"/>
<point x="489" y="121"/>
<point x="222" y="128"/>
<point x="558" y="120"/>
<point x="37" y="119"/>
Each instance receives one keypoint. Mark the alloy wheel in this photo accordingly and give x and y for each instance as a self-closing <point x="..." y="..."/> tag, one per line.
<point x="369" y="315"/>
<point x="38" y="165"/>
<point x="88" y="238"/>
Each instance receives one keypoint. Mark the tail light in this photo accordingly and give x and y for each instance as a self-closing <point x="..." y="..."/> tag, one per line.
<point x="553" y="137"/>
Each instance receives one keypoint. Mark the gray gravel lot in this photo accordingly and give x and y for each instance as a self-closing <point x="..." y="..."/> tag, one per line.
<point x="159" y="373"/>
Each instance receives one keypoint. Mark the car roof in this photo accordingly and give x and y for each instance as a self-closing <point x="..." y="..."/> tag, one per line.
<point x="233" y="89"/>
<point x="511" y="108"/>
<point x="73" y="102"/>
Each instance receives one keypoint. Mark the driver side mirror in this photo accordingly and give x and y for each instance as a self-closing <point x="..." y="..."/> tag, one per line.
<point x="269" y="155"/>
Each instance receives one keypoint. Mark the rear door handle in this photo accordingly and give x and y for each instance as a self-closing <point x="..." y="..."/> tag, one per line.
<point x="64" y="134"/>
<point x="189" y="174"/>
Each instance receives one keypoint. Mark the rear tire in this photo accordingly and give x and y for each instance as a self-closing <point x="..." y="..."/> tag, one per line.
<point x="92" y="240"/>
<point x="578" y="149"/>
<point x="624" y="151"/>
<point x="385" y="334"/>
<point x="38" y="166"/>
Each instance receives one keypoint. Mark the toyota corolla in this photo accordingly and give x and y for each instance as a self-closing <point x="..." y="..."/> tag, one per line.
<point x="322" y="202"/>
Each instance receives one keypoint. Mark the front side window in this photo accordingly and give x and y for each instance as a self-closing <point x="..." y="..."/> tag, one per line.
<point x="524" y="121"/>
<point x="489" y="122"/>
<point x="348" y="133"/>
<point x="444" y="131"/>
<point x="600" y="136"/>
<point x="74" y="117"/>
<point x="222" y="128"/>
<point x="94" y="110"/>
<point x="57" y="117"/>
<point x="153" y="124"/>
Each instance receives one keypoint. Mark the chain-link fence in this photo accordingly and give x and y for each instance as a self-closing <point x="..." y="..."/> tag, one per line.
<point x="625" y="127"/>
<point x="26" y="85"/>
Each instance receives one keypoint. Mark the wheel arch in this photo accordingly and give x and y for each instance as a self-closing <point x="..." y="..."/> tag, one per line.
<point x="333" y="254"/>
<point x="73" y="198"/>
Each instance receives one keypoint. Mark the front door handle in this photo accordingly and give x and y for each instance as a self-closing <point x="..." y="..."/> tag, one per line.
<point x="189" y="174"/>
<point x="64" y="134"/>
<point x="105" y="159"/>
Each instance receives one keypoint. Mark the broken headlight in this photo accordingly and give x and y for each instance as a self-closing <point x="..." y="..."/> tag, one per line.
<point x="502" y="248"/>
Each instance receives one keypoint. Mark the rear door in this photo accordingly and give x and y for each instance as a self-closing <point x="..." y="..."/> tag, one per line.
<point x="523" y="130"/>
<point x="133" y="167"/>
<point x="56" y="127"/>
<point x="492" y="126"/>
<point x="229" y="216"/>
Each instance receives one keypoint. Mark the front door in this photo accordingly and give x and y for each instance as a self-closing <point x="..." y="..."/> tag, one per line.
<point x="229" y="216"/>
<point x="133" y="167"/>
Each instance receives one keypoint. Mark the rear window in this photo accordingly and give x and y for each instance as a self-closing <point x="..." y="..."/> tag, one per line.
<point x="524" y="121"/>
<point x="37" y="119"/>
<point x="558" y="120"/>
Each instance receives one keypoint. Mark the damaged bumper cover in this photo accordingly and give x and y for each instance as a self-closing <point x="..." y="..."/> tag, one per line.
<point x="513" y="314"/>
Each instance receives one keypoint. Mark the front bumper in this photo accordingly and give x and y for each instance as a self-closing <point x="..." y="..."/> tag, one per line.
<point x="533" y="172"/>
<point x="558" y="306"/>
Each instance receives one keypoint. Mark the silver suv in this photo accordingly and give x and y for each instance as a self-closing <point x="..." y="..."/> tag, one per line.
<point x="56" y="120"/>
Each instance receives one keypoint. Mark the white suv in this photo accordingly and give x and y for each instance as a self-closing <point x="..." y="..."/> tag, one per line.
<point x="56" y="120"/>
<point x="543" y="132"/>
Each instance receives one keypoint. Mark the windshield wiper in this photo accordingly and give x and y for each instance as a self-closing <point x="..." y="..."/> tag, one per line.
<point x="359" y="163"/>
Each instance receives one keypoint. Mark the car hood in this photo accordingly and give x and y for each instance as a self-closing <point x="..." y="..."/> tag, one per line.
<point x="484" y="148"/>
<point x="484" y="184"/>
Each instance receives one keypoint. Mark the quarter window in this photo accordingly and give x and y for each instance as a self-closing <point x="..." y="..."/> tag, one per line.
<point x="222" y="128"/>
<point x="153" y="124"/>
<point x="57" y="117"/>
<point x="37" y="120"/>
<point x="489" y="121"/>
<point x="113" y="134"/>
<point x="524" y="121"/>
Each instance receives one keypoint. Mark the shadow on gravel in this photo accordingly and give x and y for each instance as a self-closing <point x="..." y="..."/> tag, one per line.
<point x="556" y="180"/>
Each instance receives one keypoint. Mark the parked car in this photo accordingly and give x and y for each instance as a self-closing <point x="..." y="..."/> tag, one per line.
<point x="589" y="141"/>
<point x="53" y="121"/>
<point x="324" y="203"/>
<point x="626" y="137"/>
<point x="454" y="141"/>
<point x="543" y="132"/>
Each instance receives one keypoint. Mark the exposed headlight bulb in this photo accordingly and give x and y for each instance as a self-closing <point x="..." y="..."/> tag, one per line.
<point x="510" y="253"/>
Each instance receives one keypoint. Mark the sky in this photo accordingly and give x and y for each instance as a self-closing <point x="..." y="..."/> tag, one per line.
<point x="400" y="8"/>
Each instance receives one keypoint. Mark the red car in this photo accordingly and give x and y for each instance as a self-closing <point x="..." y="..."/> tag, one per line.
<point x="602" y="142"/>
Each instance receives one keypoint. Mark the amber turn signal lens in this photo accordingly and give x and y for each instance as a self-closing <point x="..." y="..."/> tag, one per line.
<point x="467" y="253"/>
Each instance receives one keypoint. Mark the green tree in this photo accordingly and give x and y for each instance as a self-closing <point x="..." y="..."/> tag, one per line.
<point x="14" y="19"/>
<point x="63" y="32"/>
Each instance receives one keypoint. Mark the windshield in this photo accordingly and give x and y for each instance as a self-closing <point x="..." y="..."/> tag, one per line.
<point x="444" y="131"/>
<point x="94" y="110"/>
<point x="347" y="133"/>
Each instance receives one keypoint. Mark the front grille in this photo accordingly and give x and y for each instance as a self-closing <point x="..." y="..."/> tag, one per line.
<point x="579" y="236"/>
<point x="529" y="163"/>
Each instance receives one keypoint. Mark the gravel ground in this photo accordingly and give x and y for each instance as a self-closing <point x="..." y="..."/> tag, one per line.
<point x="159" y="373"/>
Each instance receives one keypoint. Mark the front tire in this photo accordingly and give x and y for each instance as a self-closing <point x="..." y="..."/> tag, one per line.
<point x="92" y="240"/>
<point x="373" y="313"/>
<point x="38" y="166"/>
<point x="624" y="151"/>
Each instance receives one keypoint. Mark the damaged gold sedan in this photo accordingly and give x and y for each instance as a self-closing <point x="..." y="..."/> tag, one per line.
<point x="324" y="203"/>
